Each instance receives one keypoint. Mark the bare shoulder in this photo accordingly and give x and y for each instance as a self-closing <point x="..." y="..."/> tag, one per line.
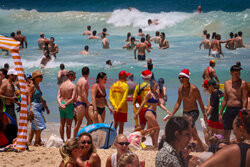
<point x="193" y="87"/>
<point x="95" y="157"/>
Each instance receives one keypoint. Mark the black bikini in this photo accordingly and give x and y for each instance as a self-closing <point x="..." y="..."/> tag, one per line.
<point x="243" y="151"/>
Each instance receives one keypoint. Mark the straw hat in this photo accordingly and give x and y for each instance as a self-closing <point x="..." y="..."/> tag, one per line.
<point x="36" y="73"/>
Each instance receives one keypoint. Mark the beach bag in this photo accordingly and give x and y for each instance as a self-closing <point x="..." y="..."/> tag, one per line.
<point x="54" y="141"/>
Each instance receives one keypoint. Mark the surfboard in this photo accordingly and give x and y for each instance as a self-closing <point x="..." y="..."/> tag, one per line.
<point x="103" y="135"/>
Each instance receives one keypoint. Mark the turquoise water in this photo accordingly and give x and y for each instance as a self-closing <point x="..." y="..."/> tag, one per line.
<point x="183" y="30"/>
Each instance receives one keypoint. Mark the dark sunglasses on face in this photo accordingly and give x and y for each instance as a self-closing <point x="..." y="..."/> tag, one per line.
<point x="181" y="77"/>
<point x="86" y="142"/>
<point x="124" y="143"/>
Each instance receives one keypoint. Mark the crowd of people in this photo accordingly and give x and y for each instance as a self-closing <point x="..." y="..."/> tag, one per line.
<point x="226" y="111"/>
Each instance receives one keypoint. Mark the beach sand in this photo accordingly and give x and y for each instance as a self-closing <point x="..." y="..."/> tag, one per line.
<point x="50" y="157"/>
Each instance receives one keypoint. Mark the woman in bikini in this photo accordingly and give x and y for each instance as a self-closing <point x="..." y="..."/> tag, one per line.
<point x="147" y="42"/>
<point x="152" y="99"/>
<point x="98" y="99"/>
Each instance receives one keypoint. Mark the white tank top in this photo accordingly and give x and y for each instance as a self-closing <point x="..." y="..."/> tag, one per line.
<point x="114" y="160"/>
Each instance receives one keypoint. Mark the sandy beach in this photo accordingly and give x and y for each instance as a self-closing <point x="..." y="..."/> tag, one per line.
<point x="50" y="157"/>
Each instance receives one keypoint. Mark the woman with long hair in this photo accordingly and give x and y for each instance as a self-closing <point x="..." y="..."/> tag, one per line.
<point x="162" y="91"/>
<point x="70" y="151"/>
<point x="152" y="99"/>
<point x="98" y="99"/>
<point x="234" y="155"/>
<point x="89" y="156"/>
<point x="36" y="104"/>
<point x="176" y="138"/>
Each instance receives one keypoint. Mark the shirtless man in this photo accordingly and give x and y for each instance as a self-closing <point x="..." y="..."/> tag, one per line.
<point x="141" y="47"/>
<point x="189" y="94"/>
<point x="239" y="41"/>
<point x="62" y="75"/>
<point x="209" y="73"/>
<point x="46" y="58"/>
<point x="85" y="51"/>
<point x="154" y="22"/>
<point x="131" y="44"/>
<point x="156" y="38"/>
<point x="131" y="87"/>
<point x="88" y="31"/>
<point x="93" y="35"/>
<point x="7" y="93"/>
<point x="41" y="41"/>
<point x="105" y="41"/>
<point x="21" y="38"/>
<point x="204" y="33"/>
<point x="140" y="34"/>
<point x="53" y="48"/>
<point x="206" y="42"/>
<point x="235" y="98"/>
<point x="199" y="9"/>
<point x="65" y="98"/>
<point x="230" y="43"/>
<point x="82" y="102"/>
<point x="163" y="42"/>
<point x="216" y="46"/>
<point x="104" y="30"/>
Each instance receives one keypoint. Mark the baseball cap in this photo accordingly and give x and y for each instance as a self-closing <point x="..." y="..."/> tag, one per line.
<point x="123" y="73"/>
<point x="236" y="68"/>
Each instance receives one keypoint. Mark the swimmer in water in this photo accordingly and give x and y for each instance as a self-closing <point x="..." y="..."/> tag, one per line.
<point x="131" y="44"/>
<point x="88" y="31"/>
<point x="153" y="22"/>
<point x="105" y="41"/>
<point x="163" y="42"/>
<point x="109" y="63"/>
<point x="104" y="30"/>
<point x="93" y="35"/>
<point x="156" y="38"/>
<point x="85" y="51"/>
<point x="199" y="9"/>
<point x="140" y="34"/>
<point x="206" y="42"/>
<point x="230" y="43"/>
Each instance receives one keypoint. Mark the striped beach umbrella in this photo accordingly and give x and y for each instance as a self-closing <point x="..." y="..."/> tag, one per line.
<point x="13" y="46"/>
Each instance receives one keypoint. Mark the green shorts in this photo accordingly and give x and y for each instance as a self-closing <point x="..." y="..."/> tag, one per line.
<point x="68" y="112"/>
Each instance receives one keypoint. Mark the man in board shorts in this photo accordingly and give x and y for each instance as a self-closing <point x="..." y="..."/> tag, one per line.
<point x="189" y="94"/>
<point x="235" y="98"/>
<point x="65" y="98"/>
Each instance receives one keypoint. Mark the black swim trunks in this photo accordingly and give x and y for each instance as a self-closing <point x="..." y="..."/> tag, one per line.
<point x="194" y="114"/>
<point x="141" y="57"/>
<point x="229" y="116"/>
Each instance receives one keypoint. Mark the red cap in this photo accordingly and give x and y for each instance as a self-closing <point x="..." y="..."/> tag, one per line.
<point x="211" y="62"/>
<point x="123" y="73"/>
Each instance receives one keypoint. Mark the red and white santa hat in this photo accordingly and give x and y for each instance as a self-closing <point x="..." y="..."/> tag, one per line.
<point x="146" y="74"/>
<point x="185" y="72"/>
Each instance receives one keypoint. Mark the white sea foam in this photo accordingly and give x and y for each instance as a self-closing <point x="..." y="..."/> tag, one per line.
<point x="136" y="18"/>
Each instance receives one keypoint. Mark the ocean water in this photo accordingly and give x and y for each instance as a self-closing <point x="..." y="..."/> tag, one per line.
<point x="66" y="20"/>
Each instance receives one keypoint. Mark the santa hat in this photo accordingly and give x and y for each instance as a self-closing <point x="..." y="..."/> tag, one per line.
<point x="185" y="72"/>
<point x="146" y="74"/>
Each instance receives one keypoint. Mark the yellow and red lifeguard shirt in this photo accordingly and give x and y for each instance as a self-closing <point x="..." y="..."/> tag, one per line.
<point x="118" y="96"/>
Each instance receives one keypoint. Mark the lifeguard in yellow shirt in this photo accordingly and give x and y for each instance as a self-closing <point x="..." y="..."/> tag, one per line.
<point x="139" y="94"/>
<point x="118" y="99"/>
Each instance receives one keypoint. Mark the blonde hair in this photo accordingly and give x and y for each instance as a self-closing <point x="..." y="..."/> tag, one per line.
<point x="66" y="150"/>
<point x="118" y="136"/>
<point x="127" y="158"/>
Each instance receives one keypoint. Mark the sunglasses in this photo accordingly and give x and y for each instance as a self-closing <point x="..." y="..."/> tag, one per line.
<point x="86" y="142"/>
<point x="181" y="77"/>
<point x="124" y="143"/>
